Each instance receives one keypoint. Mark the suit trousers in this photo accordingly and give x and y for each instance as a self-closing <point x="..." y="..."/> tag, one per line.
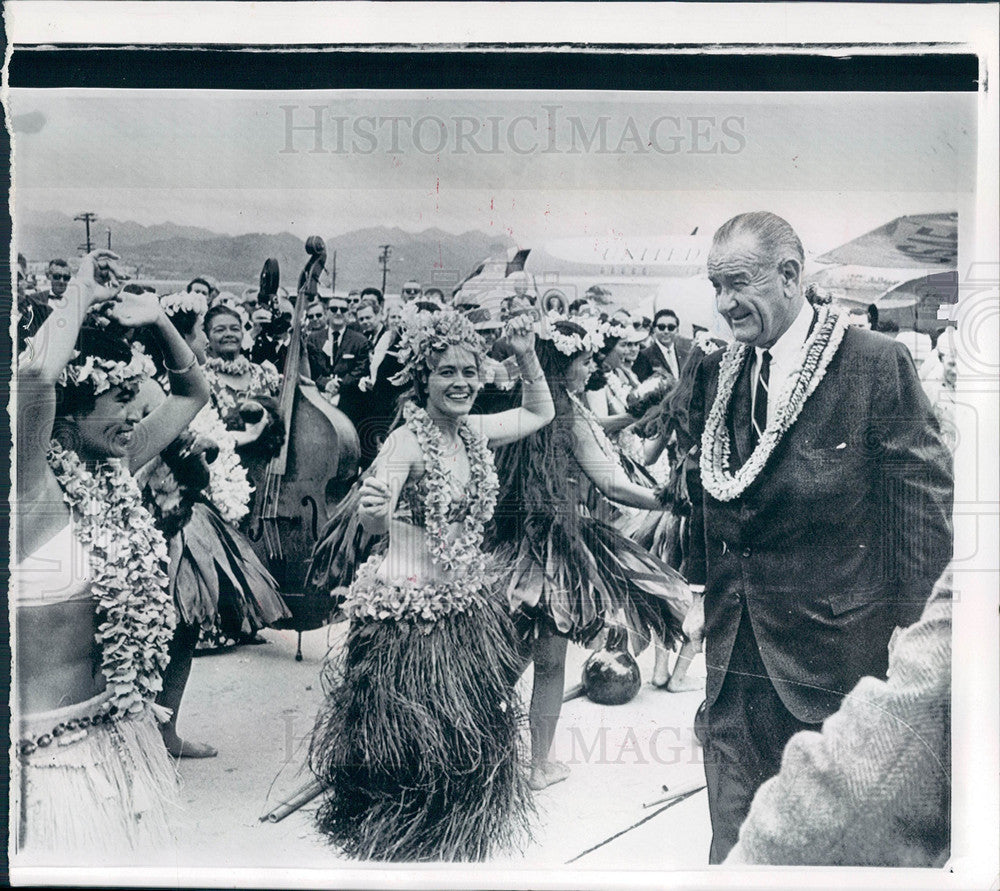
<point x="745" y="733"/>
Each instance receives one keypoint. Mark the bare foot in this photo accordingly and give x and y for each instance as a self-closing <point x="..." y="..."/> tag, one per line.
<point x="685" y="685"/>
<point x="547" y="774"/>
<point x="180" y="748"/>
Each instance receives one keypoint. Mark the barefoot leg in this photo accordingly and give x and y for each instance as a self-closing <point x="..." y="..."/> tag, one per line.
<point x="549" y="655"/>
<point x="661" y="668"/>
<point x="175" y="678"/>
<point x="679" y="681"/>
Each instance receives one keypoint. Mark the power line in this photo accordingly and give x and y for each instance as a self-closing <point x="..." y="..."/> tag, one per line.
<point x="87" y="217"/>
<point x="383" y="257"/>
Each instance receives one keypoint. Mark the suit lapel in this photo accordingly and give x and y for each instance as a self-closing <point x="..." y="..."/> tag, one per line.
<point x="739" y="413"/>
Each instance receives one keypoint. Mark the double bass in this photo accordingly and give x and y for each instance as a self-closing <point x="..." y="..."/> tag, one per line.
<point x="311" y="473"/>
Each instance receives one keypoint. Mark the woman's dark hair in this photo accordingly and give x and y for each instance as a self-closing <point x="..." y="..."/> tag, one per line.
<point x="101" y="343"/>
<point x="599" y="379"/>
<point x="220" y="309"/>
<point x="536" y="477"/>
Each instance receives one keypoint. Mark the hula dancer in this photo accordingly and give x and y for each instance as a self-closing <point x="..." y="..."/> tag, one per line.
<point x="417" y="742"/>
<point x="91" y="773"/>
<point x="574" y="574"/>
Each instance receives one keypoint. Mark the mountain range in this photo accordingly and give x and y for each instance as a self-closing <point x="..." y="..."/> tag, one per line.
<point x="171" y="251"/>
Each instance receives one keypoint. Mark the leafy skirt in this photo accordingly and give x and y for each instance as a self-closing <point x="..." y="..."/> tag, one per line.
<point x="418" y="742"/>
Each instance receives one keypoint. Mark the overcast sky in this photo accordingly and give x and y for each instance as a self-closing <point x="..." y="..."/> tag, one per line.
<point x="532" y="166"/>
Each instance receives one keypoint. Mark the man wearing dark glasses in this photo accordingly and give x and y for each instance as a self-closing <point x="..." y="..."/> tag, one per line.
<point x="341" y="361"/>
<point x="668" y="352"/>
<point x="34" y="308"/>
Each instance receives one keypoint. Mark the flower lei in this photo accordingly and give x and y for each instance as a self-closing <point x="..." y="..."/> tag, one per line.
<point x="236" y="367"/>
<point x="814" y="358"/>
<point x="184" y="301"/>
<point x="425" y="333"/>
<point x="128" y="562"/>
<point x="376" y="599"/>
<point x="228" y="487"/>
<point x="570" y="344"/>
<point x="373" y="598"/>
<point x="460" y="551"/>
<point x="103" y="374"/>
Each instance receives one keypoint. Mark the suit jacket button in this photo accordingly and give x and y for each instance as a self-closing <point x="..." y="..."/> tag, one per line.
<point x="747" y="552"/>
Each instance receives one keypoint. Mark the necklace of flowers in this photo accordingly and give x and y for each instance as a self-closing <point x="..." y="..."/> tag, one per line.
<point x="461" y="551"/>
<point x="128" y="564"/>
<point x="813" y="360"/>
<point x="236" y="367"/>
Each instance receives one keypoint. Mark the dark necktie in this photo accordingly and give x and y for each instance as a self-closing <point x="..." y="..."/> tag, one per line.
<point x="760" y="399"/>
<point x="334" y="343"/>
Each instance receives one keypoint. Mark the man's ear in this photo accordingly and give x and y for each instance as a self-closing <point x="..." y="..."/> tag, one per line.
<point x="791" y="272"/>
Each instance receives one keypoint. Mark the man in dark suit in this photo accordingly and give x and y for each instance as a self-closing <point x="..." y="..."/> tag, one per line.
<point x="338" y="364"/>
<point x="825" y="518"/>
<point x="34" y="308"/>
<point x="668" y="351"/>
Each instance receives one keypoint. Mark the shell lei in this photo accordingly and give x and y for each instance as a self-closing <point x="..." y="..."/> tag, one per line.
<point x="814" y="358"/>
<point x="128" y="561"/>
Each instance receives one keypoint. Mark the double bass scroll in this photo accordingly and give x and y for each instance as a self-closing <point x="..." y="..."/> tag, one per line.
<point x="315" y="467"/>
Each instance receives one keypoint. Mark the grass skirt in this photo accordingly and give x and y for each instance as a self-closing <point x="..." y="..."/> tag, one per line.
<point x="97" y="798"/>
<point x="418" y="741"/>
<point x="218" y="580"/>
<point x="595" y="579"/>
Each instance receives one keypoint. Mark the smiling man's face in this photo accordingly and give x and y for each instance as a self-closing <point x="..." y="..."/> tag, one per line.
<point x="755" y="292"/>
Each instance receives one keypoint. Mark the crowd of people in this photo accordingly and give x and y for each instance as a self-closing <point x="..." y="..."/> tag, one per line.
<point x="557" y="473"/>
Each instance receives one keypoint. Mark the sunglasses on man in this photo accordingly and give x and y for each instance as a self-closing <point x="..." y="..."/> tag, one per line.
<point x="60" y="277"/>
<point x="666" y="326"/>
<point x="337" y="310"/>
<point x="411" y="290"/>
<point x="640" y="326"/>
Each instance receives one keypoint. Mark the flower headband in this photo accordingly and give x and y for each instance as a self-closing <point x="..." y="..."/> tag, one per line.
<point x="184" y="301"/>
<point x="103" y="374"/>
<point x="424" y="333"/>
<point x="590" y="341"/>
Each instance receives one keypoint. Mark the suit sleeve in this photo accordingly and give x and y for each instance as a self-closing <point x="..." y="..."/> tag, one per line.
<point x="694" y="568"/>
<point x="642" y="368"/>
<point x="319" y="365"/>
<point x="916" y="485"/>
<point x="357" y="367"/>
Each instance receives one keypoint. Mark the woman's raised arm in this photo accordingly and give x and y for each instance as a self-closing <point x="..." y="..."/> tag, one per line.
<point x="536" y="408"/>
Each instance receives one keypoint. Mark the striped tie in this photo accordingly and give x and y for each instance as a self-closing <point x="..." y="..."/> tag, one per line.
<point x="760" y="398"/>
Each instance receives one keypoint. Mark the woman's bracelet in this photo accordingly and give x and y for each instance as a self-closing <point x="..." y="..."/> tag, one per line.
<point x="185" y="369"/>
<point x="530" y="368"/>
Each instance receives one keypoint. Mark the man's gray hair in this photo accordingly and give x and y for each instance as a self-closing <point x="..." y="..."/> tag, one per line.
<point x="774" y="234"/>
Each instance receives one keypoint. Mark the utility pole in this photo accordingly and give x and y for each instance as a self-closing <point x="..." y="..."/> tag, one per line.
<point x="383" y="258"/>
<point x="333" y="274"/>
<point x="87" y="217"/>
<point x="109" y="239"/>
